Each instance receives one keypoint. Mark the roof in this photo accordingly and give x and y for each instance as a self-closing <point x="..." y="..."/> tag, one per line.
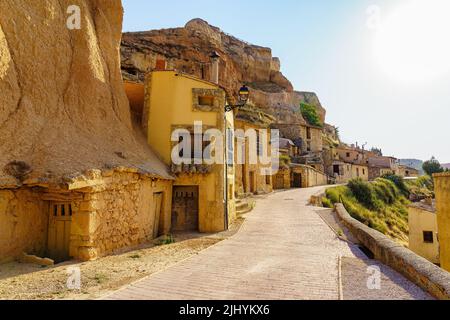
<point x="285" y="143"/>
<point x="423" y="205"/>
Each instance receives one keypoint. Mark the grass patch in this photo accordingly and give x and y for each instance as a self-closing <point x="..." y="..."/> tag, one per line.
<point x="168" y="239"/>
<point x="381" y="205"/>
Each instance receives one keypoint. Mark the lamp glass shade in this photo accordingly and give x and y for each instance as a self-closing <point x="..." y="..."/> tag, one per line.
<point x="244" y="93"/>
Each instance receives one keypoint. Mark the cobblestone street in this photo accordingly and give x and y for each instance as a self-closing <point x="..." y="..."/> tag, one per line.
<point x="284" y="250"/>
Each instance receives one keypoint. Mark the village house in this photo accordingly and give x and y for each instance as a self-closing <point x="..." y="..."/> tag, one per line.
<point x="203" y="194"/>
<point x="252" y="176"/>
<point x="407" y="172"/>
<point x="380" y="166"/>
<point x="423" y="230"/>
<point x="349" y="162"/>
<point x="442" y="191"/>
<point x="295" y="175"/>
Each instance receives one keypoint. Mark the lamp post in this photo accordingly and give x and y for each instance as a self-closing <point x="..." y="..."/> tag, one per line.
<point x="244" y="94"/>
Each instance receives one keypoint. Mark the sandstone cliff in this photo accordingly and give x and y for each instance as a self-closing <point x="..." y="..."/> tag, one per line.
<point x="188" y="49"/>
<point x="63" y="109"/>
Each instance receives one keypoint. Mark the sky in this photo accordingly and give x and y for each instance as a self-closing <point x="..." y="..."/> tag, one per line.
<point x="381" y="68"/>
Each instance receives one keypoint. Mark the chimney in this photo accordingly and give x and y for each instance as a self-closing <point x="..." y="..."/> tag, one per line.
<point x="215" y="58"/>
<point x="161" y="65"/>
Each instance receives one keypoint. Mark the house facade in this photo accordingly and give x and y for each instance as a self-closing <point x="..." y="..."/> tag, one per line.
<point x="253" y="176"/>
<point x="380" y="165"/>
<point x="349" y="162"/>
<point x="423" y="230"/>
<point x="407" y="172"/>
<point x="442" y="191"/>
<point x="203" y="193"/>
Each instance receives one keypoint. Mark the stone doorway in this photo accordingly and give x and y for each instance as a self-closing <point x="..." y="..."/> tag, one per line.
<point x="297" y="180"/>
<point x="59" y="231"/>
<point x="185" y="207"/>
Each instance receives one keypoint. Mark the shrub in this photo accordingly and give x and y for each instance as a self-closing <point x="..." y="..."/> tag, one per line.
<point x="309" y="112"/>
<point x="364" y="193"/>
<point x="399" y="182"/>
<point x="327" y="203"/>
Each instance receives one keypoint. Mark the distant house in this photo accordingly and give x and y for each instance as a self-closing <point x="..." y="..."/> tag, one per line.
<point x="349" y="162"/>
<point x="407" y="172"/>
<point x="380" y="165"/>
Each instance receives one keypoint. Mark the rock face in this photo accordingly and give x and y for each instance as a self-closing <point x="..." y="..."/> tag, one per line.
<point x="63" y="108"/>
<point x="188" y="49"/>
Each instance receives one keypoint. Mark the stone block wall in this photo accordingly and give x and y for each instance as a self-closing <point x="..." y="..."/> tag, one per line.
<point x="23" y="224"/>
<point x="118" y="214"/>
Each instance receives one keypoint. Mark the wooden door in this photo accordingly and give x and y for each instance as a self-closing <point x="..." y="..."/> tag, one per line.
<point x="60" y="221"/>
<point x="279" y="181"/>
<point x="252" y="182"/>
<point x="185" y="204"/>
<point x="158" y="201"/>
<point x="297" y="180"/>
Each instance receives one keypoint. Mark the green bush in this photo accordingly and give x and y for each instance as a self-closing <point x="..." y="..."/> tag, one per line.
<point x="327" y="203"/>
<point x="309" y="112"/>
<point x="399" y="182"/>
<point x="364" y="193"/>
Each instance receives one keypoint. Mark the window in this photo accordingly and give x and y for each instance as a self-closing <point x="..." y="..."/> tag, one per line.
<point x="260" y="149"/>
<point x="336" y="169"/>
<point x="428" y="237"/>
<point x="348" y="154"/>
<point x="230" y="147"/>
<point x="308" y="133"/>
<point x="268" y="180"/>
<point x="364" y="171"/>
<point x="308" y="147"/>
<point x="206" y="101"/>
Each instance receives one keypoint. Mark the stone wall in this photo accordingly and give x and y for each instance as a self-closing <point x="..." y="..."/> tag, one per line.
<point x="118" y="214"/>
<point x="423" y="273"/>
<point x="23" y="223"/>
<point x="282" y="180"/>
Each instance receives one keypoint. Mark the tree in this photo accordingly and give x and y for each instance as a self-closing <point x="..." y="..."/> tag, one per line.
<point x="432" y="166"/>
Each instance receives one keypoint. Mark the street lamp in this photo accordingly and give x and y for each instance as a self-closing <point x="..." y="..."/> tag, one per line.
<point x="244" y="94"/>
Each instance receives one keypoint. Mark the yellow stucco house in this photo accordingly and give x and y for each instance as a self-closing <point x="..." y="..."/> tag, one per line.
<point x="203" y="194"/>
<point x="423" y="230"/>
<point x="442" y="191"/>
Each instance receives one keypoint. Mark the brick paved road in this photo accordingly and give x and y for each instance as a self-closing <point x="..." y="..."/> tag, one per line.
<point x="284" y="250"/>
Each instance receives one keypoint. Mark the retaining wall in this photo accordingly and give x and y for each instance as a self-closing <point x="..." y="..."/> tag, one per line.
<point x="420" y="271"/>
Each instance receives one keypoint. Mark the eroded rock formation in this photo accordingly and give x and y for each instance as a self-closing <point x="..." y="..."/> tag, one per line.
<point x="63" y="109"/>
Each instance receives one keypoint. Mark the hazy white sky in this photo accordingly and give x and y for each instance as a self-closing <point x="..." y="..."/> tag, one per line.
<point x="380" y="67"/>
